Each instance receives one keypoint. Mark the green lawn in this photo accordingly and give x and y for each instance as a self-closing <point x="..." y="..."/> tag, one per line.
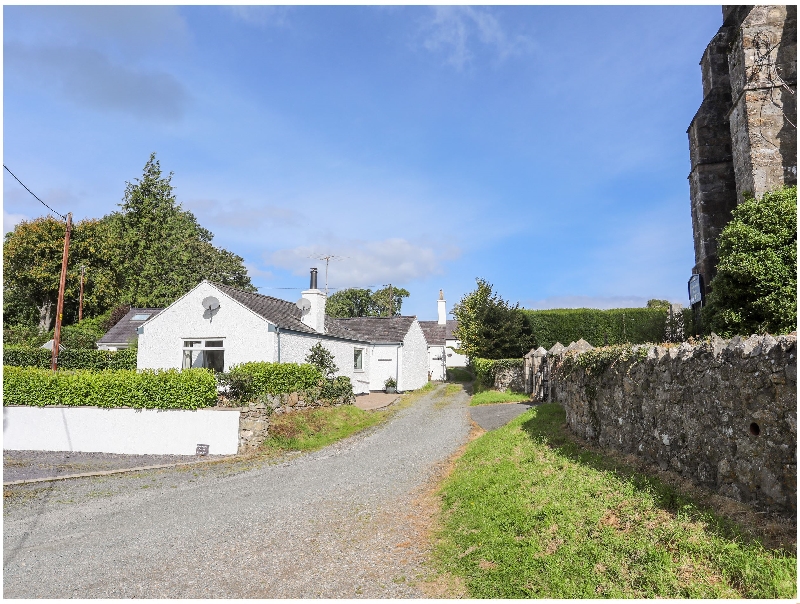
<point x="527" y="513"/>
<point x="488" y="397"/>
<point x="312" y="429"/>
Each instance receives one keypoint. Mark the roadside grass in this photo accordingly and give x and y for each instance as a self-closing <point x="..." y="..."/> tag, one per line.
<point x="527" y="512"/>
<point x="459" y="374"/>
<point x="488" y="397"/>
<point x="312" y="429"/>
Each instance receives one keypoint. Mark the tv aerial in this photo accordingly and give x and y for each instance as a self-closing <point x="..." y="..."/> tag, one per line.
<point x="210" y="307"/>
<point x="304" y="304"/>
<point x="327" y="260"/>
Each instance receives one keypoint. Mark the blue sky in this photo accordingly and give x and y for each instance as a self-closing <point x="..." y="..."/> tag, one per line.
<point x="543" y="149"/>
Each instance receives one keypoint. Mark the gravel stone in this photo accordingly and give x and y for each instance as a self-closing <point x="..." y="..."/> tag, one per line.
<point x="337" y="523"/>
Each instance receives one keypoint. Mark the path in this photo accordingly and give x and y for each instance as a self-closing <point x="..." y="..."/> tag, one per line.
<point x="336" y="523"/>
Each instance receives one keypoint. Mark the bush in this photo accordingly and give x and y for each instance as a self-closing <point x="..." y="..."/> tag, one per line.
<point x="485" y="370"/>
<point x="172" y="389"/>
<point x="23" y="335"/>
<point x="598" y="327"/>
<point x="249" y="381"/>
<point x="340" y="389"/>
<point x="755" y="289"/>
<point x="69" y="359"/>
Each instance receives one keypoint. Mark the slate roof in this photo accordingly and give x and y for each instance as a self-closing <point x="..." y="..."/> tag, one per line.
<point x="436" y="334"/>
<point x="286" y="315"/>
<point x="125" y="329"/>
<point x="377" y="329"/>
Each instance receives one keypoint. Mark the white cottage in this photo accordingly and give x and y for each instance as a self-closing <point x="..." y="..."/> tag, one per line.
<point x="219" y="326"/>
<point x="442" y="344"/>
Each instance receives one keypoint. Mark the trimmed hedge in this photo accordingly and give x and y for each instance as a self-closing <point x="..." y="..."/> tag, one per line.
<point x="485" y="370"/>
<point x="71" y="358"/>
<point x="598" y="327"/>
<point x="172" y="389"/>
<point x="252" y="380"/>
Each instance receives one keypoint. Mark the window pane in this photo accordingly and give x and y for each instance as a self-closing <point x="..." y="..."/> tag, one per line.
<point x="187" y="359"/>
<point x="140" y="317"/>
<point x="358" y="358"/>
<point x="215" y="359"/>
<point x="192" y="343"/>
<point x="213" y="343"/>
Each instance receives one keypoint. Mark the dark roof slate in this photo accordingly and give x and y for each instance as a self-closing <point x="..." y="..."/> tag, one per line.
<point x="377" y="329"/>
<point x="125" y="329"/>
<point x="286" y="315"/>
<point x="436" y="334"/>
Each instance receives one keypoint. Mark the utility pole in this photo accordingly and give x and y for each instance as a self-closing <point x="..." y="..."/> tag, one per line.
<point x="60" y="306"/>
<point x="391" y="301"/>
<point x="80" y="303"/>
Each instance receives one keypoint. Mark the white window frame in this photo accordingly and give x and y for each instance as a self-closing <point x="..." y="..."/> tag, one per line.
<point x="355" y="368"/>
<point x="202" y="348"/>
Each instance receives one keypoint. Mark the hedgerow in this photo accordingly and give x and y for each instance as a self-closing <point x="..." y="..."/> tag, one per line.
<point x="172" y="389"/>
<point x="252" y="380"/>
<point x="69" y="359"/>
<point x="598" y="327"/>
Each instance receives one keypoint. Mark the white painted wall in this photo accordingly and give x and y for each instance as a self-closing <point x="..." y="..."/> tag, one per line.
<point x="436" y="365"/>
<point x="295" y="347"/>
<point x="126" y="431"/>
<point x="246" y="335"/>
<point x="413" y="359"/>
<point x="384" y="365"/>
<point x="453" y="358"/>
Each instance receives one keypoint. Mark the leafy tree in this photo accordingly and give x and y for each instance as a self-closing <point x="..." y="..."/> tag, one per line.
<point x="389" y="301"/>
<point x="489" y="327"/>
<point x="356" y="302"/>
<point x="162" y="250"/>
<point x="32" y="255"/>
<point x="349" y="303"/>
<point x="654" y="303"/>
<point x="755" y="289"/>
<point x="322" y="359"/>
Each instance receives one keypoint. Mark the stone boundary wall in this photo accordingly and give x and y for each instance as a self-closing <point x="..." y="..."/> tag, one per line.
<point x="722" y="413"/>
<point x="510" y="377"/>
<point x="254" y="418"/>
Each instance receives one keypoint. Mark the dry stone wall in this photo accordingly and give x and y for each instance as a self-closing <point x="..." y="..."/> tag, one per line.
<point x="722" y="413"/>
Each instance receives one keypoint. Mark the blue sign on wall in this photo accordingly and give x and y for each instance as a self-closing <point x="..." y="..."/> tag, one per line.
<point x="695" y="289"/>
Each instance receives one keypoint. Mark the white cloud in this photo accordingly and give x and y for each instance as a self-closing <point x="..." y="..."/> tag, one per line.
<point x="602" y="302"/>
<point x="11" y="220"/>
<point x="238" y="215"/>
<point x="365" y="263"/>
<point x="452" y="29"/>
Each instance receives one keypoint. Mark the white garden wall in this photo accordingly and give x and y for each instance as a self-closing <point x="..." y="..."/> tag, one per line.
<point x="125" y="431"/>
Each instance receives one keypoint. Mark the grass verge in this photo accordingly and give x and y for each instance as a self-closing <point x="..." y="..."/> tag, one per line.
<point x="312" y="429"/>
<point x="489" y="397"/>
<point x="527" y="512"/>
<point x="459" y="374"/>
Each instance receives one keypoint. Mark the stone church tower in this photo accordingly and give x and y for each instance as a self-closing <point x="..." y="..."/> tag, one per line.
<point x="743" y="138"/>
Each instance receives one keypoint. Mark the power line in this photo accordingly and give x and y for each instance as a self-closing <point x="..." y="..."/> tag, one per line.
<point x="34" y="194"/>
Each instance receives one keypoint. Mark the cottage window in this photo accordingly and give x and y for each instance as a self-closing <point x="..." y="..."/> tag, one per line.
<point x="209" y="354"/>
<point x="358" y="359"/>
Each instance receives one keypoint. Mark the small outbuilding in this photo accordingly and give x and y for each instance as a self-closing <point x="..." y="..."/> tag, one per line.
<point x="124" y="333"/>
<point x="442" y="344"/>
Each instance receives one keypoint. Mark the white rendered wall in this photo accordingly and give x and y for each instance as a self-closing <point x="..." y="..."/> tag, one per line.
<point x="436" y="365"/>
<point x="296" y="346"/>
<point x="413" y="359"/>
<point x="126" y="431"/>
<point x="246" y="336"/>
<point x="453" y="358"/>
<point x="384" y="365"/>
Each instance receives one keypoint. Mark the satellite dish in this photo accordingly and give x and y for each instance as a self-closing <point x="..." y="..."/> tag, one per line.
<point x="304" y="304"/>
<point x="210" y="303"/>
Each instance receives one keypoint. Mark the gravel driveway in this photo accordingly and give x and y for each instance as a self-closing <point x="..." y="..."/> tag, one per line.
<point x="342" y="522"/>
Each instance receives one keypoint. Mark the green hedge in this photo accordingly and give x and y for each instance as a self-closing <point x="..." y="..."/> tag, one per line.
<point x="71" y="358"/>
<point x="251" y="380"/>
<point x="187" y="389"/>
<point x="485" y="370"/>
<point x="598" y="327"/>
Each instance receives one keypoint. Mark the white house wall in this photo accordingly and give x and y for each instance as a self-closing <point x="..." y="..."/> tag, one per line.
<point x="296" y="346"/>
<point x="246" y="336"/>
<point x="453" y="358"/>
<point x="436" y="363"/>
<point x="413" y="359"/>
<point x="384" y="365"/>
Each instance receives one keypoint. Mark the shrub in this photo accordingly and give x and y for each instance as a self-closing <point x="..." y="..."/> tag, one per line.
<point x="172" y="389"/>
<point x="69" y="359"/>
<point x="340" y="390"/>
<point x="248" y="381"/>
<point x="598" y="327"/>
<point x="755" y="289"/>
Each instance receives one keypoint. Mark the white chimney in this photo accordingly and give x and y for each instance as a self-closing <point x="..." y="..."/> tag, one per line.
<point x="442" y="309"/>
<point x="315" y="316"/>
